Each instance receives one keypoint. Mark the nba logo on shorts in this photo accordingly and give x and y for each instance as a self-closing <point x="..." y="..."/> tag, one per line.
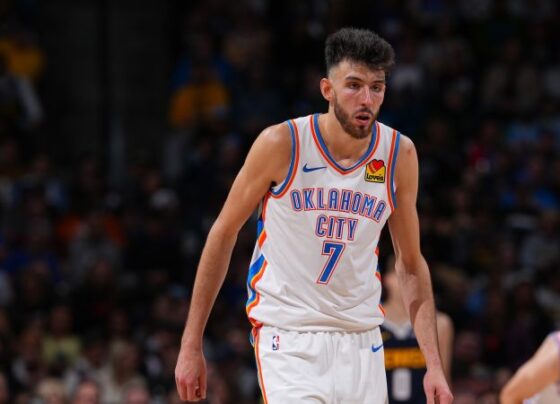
<point x="275" y="342"/>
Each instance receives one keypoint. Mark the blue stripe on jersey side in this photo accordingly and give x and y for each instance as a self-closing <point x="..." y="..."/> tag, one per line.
<point x="260" y="227"/>
<point x="393" y="165"/>
<point x="326" y="150"/>
<point x="253" y="271"/>
<point x="292" y="162"/>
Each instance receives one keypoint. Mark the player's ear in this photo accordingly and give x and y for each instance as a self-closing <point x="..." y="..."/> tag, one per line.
<point x="326" y="89"/>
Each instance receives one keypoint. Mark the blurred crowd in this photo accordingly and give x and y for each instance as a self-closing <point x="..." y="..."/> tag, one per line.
<point x="95" y="277"/>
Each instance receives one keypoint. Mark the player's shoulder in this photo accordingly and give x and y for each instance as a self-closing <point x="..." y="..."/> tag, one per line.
<point x="274" y="145"/>
<point x="278" y="135"/>
<point x="406" y="145"/>
<point x="283" y="136"/>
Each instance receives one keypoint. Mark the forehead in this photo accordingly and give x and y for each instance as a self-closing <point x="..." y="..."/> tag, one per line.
<point x="348" y="69"/>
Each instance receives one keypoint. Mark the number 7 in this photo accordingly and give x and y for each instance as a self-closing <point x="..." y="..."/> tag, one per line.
<point x="334" y="250"/>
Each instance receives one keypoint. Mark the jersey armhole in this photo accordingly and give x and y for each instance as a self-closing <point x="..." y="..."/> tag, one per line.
<point x="279" y="190"/>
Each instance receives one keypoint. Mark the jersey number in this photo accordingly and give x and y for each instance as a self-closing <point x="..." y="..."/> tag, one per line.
<point x="401" y="384"/>
<point x="334" y="250"/>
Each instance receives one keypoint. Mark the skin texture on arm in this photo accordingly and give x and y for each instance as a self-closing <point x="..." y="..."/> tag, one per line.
<point x="267" y="163"/>
<point x="413" y="273"/>
<point x="536" y="374"/>
<point x="446" y="334"/>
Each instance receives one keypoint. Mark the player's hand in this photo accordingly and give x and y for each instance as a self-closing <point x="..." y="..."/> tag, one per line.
<point x="436" y="388"/>
<point x="190" y="374"/>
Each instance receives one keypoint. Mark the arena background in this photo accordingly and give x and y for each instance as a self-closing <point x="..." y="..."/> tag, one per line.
<point x="123" y="123"/>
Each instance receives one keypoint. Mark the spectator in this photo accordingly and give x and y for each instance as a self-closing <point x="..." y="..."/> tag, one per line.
<point x="61" y="347"/>
<point x="82" y="378"/>
<point x="51" y="391"/>
<point x="90" y="246"/>
<point x="121" y="372"/>
<point x="87" y="392"/>
<point x="136" y="393"/>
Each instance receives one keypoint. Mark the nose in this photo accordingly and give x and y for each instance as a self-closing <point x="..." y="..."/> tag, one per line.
<point x="367" y="96"/>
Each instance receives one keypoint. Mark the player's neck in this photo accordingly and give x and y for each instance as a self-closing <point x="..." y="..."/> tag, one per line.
<point x="342" y="146"/>
<point x="395" y="311"/>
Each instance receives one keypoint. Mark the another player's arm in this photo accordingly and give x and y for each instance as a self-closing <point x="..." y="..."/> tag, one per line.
<point x="413" y="273"/>
<point x="537" y="373"/>
<point x="267" y="163"/>
<point x="446" y="333"/>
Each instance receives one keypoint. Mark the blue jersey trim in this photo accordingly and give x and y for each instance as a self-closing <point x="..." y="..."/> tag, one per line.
<point x="326" y="150"/>
<point x="253" y="271"/>
<point x="292" y="163"/>
<point x="393" y="165"/>
<point x="260" y="227"/>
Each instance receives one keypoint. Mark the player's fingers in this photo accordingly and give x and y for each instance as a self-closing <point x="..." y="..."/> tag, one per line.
<point x="193" y="390"/>
<point x="202" y="383"/>
<point x="181" y="387"/>
<point x="430" y="397"/>
<point x="445" y="398"/>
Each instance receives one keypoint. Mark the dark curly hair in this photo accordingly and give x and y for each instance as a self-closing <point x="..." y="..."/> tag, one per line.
<point x="359" y="45"/>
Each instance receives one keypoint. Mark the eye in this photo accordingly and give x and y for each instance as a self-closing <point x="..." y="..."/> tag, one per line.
<point x="377" y="88"/>
<point x="353" y="85"/>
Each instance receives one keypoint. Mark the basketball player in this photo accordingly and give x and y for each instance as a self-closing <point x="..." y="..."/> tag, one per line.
<point x="404" y="362"/>
<point x="538" y="380"/>
<point x="328" y="183"/>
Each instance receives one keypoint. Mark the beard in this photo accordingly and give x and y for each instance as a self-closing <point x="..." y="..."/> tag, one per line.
<point x="356" y="131"/>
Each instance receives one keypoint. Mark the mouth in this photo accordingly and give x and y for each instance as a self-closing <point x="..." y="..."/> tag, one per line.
<point x="363" y="118"/>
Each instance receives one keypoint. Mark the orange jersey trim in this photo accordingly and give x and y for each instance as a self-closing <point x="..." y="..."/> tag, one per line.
<point x="254" y="281"/>
<point x="259" y="367"/>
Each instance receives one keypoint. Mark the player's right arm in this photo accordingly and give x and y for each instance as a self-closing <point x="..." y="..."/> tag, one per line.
<point x="267" y="163"/>
<point x="537" y="373"/>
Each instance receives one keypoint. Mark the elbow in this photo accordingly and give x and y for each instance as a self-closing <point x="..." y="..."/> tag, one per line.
<point x="223" y="231"/>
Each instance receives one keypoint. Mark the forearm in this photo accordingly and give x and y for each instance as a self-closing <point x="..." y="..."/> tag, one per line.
<point x="508" y="397"/>
<point x="419" y="301"/>
<point x="210" y="276"/>
<point x="517" y="389"/>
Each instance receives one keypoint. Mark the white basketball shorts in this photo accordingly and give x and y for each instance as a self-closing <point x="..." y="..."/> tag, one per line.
<point x="321" y="367"/>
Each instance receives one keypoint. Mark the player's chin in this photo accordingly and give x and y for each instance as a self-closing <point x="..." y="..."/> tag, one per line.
<point x="360" y="132"/>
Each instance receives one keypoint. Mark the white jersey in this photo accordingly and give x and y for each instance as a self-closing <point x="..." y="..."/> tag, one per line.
<point x="314" y="267"/>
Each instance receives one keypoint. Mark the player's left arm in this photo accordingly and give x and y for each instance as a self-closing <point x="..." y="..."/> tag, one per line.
<point x="413" y="273"/>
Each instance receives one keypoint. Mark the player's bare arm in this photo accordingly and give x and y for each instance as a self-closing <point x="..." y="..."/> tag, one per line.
<point x="266" y="164"/>
<point x="412" y="271"/>
<point x="540" y="371"/>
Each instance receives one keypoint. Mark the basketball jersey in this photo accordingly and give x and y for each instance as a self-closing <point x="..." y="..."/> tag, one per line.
<point x="551" y="393"/>
<point x="315" y="260"/>
<point x="404" y="364"/>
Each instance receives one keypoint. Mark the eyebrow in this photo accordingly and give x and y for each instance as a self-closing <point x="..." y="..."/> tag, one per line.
<point x="356" y="78"/>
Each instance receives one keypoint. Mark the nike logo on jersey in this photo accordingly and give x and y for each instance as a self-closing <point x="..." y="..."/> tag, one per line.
<point x="309" y="169"/>
<point x="376" y="348"/>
